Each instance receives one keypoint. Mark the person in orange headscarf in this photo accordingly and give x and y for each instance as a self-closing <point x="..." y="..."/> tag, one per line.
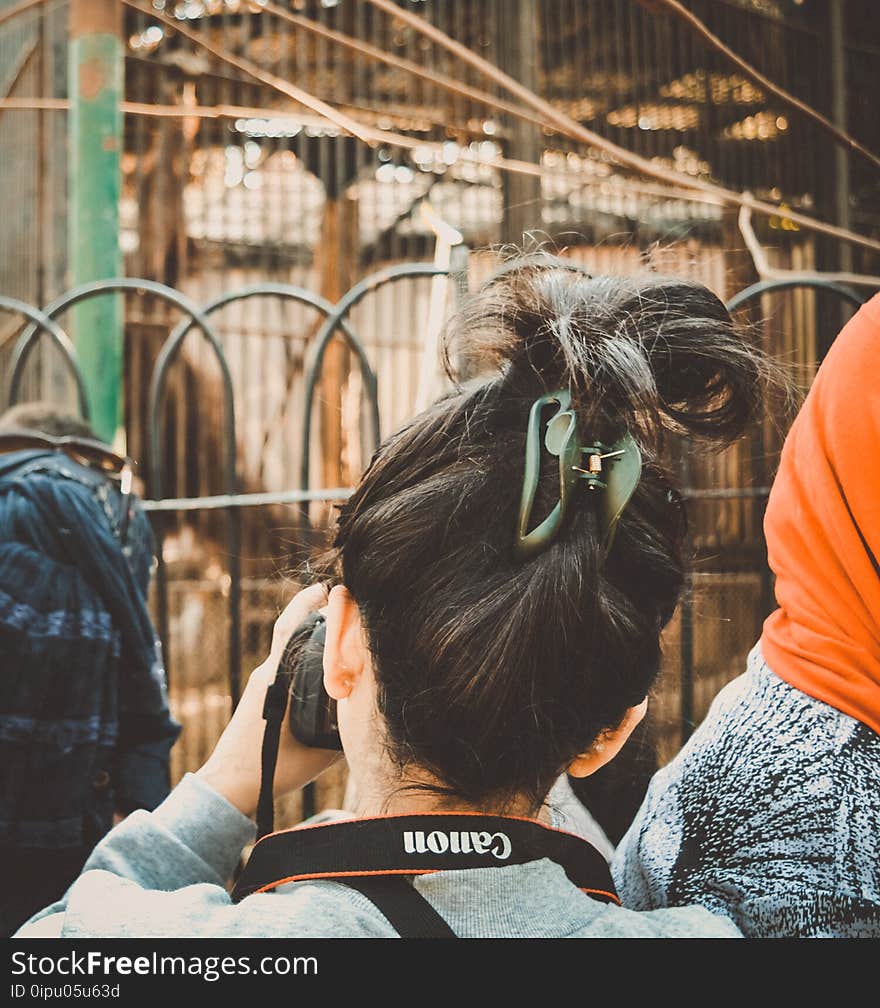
<point x="771" y="812"/>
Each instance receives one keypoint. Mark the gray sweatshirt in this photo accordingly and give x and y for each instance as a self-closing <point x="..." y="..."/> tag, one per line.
<point x="165" y="874"/>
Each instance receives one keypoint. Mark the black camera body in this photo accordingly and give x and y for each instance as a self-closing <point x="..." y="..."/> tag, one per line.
<point x="311" y="712"/>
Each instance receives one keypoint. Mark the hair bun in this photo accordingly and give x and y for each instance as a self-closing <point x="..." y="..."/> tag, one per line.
<point x="648" y="353"/>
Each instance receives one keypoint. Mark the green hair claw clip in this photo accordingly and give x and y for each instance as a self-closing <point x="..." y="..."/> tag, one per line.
<point x="615" y="470"/>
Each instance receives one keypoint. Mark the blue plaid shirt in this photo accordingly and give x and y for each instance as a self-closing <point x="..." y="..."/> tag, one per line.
<point x="85" y="726"/>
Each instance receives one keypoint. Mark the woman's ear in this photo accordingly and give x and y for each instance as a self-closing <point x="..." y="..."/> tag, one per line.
<point x="345" y="652"/>
<point x="608" y="744"/>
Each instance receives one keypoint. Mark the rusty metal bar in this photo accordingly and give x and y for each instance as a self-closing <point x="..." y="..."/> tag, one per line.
<point x="220" y="501"/>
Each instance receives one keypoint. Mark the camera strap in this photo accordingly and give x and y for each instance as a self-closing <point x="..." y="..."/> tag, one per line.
<point x="380" y="856"/>
<point x="274" y="709"/>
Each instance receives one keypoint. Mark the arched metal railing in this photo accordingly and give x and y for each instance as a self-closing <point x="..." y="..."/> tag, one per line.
<point x="42" y="323"/>
<point x="335" y="321"/>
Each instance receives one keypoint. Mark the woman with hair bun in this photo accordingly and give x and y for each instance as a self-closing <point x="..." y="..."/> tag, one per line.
<point x="500" y="579"/>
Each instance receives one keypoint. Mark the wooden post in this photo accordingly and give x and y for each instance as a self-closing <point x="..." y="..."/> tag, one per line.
<point x="336" y="263"/>
<point x="518" y="52"/>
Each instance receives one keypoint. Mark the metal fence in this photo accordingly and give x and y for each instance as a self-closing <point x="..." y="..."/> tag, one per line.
<point x="282" y="309"/>
<point x="726" y="598"/>
<point x="243" y="189"/>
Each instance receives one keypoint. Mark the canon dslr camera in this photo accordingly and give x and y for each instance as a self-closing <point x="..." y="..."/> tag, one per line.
<point x="311" y="712"/>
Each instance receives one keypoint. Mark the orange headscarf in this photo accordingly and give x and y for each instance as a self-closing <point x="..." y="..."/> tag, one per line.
<point x="823" y="531"/>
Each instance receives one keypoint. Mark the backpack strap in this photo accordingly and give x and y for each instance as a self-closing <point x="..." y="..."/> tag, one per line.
<point x="407" y="911"/>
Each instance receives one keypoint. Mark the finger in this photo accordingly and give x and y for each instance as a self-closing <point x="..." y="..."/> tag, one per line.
<point x="304" y="602"/>
<point x="299" y="607"/>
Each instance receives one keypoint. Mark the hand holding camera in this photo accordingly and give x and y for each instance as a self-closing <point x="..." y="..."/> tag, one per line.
<point x="233" y="768"/>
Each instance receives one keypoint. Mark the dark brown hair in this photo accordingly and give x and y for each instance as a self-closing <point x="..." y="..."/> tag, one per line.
<point x="493" y="674"/>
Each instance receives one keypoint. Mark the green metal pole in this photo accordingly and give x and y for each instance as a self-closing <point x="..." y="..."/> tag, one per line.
<point x="95" y="146"/>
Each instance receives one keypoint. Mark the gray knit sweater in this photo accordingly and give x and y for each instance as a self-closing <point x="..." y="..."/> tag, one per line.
<point x="769" y="815"/>
<point x="164" y="873"/>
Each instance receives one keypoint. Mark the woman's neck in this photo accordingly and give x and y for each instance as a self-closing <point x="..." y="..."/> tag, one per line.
<point x="422" y="794"/>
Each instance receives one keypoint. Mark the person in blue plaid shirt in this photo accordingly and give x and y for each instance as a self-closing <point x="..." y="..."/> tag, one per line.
<point x="85" y="726"/>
